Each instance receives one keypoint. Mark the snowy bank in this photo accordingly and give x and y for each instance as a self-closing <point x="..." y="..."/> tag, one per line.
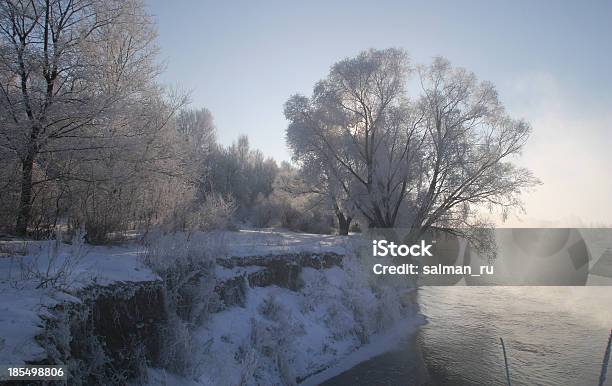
<point x="249" y="307"/>
<point x="26" y="301"/>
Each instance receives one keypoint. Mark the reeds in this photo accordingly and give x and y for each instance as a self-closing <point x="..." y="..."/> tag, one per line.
<point x="505" y="361"/>
<point x="606" y="360"/>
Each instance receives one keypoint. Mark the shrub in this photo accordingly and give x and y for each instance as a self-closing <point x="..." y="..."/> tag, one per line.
<point x="295" y="215"/>
<point x="265" y="213"/>
<point x="186" y="264"/>
<point x="53" y="265"/>
<point x="215" y="213"/>
<point x="271" y="309"/>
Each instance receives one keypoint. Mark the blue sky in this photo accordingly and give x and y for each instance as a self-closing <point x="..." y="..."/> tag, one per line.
<point x="550" y="60"/>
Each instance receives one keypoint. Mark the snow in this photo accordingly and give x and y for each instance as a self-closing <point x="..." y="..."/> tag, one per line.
<point x="22" y="304"/>
<point x="107" y="265"/>
<point x="277" y="241"/>
<point x="314" y="330"/>
<point x="19" y="323"/>
<point x="334" y="321"/>
<point x="380" y="343"/>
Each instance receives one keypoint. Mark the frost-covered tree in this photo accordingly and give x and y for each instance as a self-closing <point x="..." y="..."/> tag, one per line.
<point x="468" y="148"/>
<point x="75" y="76"/>
<point x="196" y="142"/>
<point x="430" y="160"/>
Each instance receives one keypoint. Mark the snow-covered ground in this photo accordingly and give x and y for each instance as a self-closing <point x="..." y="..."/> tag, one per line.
<point x="251" y="242"/>
<point x="24" y="298"/>
<point x="278" y="336"/>
<point x="332" y="323"/>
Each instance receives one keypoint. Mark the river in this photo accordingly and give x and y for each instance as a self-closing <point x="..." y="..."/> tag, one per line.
<point x="553" y="336"/>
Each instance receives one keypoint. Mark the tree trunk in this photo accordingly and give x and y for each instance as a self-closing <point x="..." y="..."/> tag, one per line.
<point x="25" y="201"/>
<point x="344" y="223"/>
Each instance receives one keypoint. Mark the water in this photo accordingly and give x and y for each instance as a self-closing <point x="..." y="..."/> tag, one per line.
<point x="553" y="336"/>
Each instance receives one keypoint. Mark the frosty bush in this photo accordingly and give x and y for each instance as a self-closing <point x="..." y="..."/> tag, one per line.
<point x="352" y="305"/>
<point x="271" y="336"/>
<point x="186" y="264"/>
<point x="271" y="340"/>
<point x="271" y="309"/>
<point x="343" y="303"/>
<point x="53" y="265"/>
<point x="101" y="216"/>
<point x="90" y="364"/>
<point x="265" y="337"/>
<point x="302" y="218"/>
<point x="248" y="365"/>
<point x="296" y="213"/>
<point x="216" y="213"/>
<point x="182" y="354"/>
<point x="265" y="213"/>
<point x="187" y="214"/>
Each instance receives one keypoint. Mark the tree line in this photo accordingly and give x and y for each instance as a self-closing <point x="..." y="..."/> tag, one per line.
<point x="90" y="138"/>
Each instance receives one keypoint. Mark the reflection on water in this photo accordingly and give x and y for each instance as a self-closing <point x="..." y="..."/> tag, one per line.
<point x="553" y="335"/>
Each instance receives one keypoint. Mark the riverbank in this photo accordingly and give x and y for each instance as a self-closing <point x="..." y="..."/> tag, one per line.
<point x="397" y="339"/>
<point x="246" y="307"/>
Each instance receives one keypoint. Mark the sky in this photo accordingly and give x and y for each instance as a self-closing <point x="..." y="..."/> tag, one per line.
<point x="550" y="60"/>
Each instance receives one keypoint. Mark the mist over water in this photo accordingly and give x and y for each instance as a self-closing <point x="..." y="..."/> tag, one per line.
<point x="553" y="336"/>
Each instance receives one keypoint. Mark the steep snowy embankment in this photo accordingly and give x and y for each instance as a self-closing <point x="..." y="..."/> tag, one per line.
<point x="31" y="284"/>
<point x="282" y="306"/>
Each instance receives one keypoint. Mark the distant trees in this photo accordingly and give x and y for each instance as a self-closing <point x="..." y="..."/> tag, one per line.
<point x="239" y="172"/>
<point x="430" y="160"/>
<point x="196" y="141"/>
<point x="298" y="203"/>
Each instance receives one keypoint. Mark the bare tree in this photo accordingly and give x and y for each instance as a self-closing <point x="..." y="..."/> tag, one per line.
<point x="70" y="72"/>
<point x="422" y="162"/>
<point x="468" y="146"/>
<point x="196" y="141"/>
